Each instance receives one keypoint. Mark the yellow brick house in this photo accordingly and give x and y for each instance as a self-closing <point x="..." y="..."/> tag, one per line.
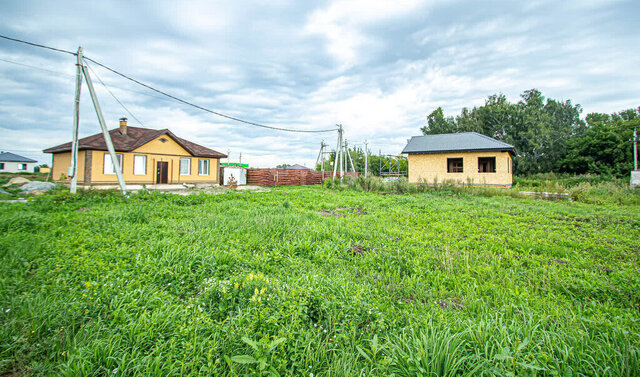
<point x="461" y="158"/>
<point x="146" y="156"/>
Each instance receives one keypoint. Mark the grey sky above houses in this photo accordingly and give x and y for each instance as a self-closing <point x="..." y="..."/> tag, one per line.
<point x="377" y="67"/>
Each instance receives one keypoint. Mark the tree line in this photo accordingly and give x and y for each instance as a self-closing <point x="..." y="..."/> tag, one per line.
<point x="549" y="135"/>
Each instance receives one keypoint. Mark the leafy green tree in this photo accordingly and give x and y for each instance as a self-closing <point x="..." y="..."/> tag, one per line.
<point x="437" y="123"/>
<point x="604" y="148"/>
<point x="537" y="127"/>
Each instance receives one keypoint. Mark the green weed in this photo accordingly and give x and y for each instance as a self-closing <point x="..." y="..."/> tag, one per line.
<point x="331" y="280"/>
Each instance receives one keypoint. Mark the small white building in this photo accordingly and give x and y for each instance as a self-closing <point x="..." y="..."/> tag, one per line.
<point x="239" y="174"/>
<point x="13" y="163"/>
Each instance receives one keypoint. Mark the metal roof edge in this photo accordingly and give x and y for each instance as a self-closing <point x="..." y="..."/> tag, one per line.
<point x="464" y="150"/>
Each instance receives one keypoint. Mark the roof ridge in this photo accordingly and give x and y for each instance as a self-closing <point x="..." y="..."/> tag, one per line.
<point x="18" y="159"/>
<point x="491" y="138"/>
<point x="455" y="141"/>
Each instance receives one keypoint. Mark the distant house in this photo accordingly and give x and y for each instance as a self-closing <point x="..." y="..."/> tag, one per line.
<point x="146" y="156"/>
<point x="297" y="167"/>
<point x="13" y="163"/>
<point x="464" y="158"/>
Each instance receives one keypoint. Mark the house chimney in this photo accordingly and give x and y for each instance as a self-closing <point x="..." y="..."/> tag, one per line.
<point x="123" y="126"/>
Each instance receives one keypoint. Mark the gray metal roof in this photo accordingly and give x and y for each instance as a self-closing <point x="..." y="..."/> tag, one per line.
<point x="297" y="167"/>
<point x="12" y="157"/>
<point x="459" y="142"/>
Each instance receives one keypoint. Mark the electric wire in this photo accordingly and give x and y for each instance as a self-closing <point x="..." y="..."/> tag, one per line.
<point x="114" y="97"/>
<point x="73" y="76"/>
<point x="169" y="95"/>
<point x="38" y="45"/>
<point x="36" y="67"/>
<point x="204" y="108"/>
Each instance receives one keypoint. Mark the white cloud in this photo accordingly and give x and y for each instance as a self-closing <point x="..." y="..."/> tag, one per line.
<point x="342" y="21"/>
<point x="379" y="69"/>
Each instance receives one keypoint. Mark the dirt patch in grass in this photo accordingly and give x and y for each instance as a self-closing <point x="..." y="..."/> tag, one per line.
<point x="358" y="250"/>
<point x="83" y="209"/>
<point x="559" y="261"/>
<point x="342" y="211"/>
<point x="450" y="303"/>
<point x="15" y="373"/>
<point x="353" y="210"/>
<point x="326" y="213"/>
<point x="605" y="270"/>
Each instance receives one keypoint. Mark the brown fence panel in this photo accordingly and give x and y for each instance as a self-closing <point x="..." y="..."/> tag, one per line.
<point x="288" y="177"/>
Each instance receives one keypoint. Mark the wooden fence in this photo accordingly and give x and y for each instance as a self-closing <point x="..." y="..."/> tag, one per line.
<point x="288" y="177"/>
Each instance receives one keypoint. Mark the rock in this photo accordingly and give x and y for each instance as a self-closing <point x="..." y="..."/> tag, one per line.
<point x="17" y="181"/>
<point x="37" y="186"/>
<point x="4" y="192"/>
<point x="189" y="185"/>
<point x="202" y="186"/>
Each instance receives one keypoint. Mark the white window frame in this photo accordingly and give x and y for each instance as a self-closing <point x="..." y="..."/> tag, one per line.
<point x="137" y="165"/>
<point x="203" y="162"/>
<point x="188" y="164"/>
<point x="22" y="166"/>
<point x="107" y="165"/>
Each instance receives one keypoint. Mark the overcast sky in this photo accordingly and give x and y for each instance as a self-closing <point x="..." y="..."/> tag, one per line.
<point x="377" y="67"/>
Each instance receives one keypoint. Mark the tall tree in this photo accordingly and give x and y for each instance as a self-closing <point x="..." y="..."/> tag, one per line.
<point x="537" y="127"/>
<point x="437" y="123"/>
<point x="604" y="147"/>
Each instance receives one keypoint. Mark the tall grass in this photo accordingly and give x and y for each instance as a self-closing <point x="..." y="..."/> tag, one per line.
<point x="269" y="284"/>
<point x="590" y="189"/>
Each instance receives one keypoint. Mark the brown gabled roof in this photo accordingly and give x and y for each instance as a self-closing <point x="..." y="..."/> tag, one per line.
<point x="135" y="138"/>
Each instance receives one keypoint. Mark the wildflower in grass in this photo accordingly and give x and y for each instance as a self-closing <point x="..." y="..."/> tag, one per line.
<point x="7" y="311"/>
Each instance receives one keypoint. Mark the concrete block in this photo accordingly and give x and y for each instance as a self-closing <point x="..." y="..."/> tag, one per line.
<point x="635" y="179"/>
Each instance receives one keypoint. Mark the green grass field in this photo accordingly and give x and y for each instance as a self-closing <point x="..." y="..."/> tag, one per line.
<point x="318" y="282"/>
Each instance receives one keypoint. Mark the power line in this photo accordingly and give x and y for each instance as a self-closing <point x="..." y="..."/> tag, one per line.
<point x="37" y="45"/>
<point x="114" y="97"/>
<point x="167" y="94"/>
<point x="36" y="67"/>
<point x="203" y="108"/>
<point x="59" y="73"/>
